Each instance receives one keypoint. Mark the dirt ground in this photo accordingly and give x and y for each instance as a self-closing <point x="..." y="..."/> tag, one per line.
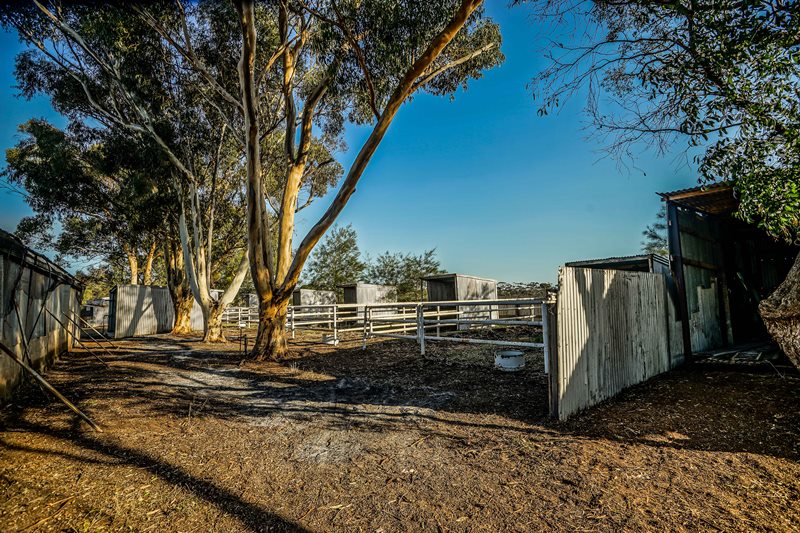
<point x="340" y="439"/>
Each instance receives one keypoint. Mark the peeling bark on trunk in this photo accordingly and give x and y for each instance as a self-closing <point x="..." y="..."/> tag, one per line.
<point x="781" y="314"/>
<point x="179" y="290"/>
<point x="182" y="305"/>
<point x="147" y="277"/>
<point x="271" y="339"/>
<point x="212" y="324"/>
<point x="133" y="264"/>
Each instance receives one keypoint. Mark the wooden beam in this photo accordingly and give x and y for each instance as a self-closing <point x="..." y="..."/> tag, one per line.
<point x="676" y="265"/>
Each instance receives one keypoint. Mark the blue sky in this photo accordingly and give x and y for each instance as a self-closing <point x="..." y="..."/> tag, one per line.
<point x="498" y="190"/>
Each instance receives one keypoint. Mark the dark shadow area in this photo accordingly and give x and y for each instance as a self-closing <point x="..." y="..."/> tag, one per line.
<point x="389" y="387"/>
<point x="253" y="517"/>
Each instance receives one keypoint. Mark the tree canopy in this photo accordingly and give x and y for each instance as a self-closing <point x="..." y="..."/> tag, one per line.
<point x="725" y="75"/>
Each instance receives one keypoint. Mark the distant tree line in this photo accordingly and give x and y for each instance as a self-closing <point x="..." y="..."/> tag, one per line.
<point x="338" y="261"/>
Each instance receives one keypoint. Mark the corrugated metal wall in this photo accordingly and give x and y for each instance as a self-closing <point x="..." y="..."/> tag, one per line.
<point x="140" y="310"/>
<point x="615" y="329"/>
<point x="313" y="297"/>
<point x="47" y="339"/>
<point x="369" y="293"/>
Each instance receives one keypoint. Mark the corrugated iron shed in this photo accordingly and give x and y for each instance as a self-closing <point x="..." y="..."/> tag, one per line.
<point x="34" y="287"/>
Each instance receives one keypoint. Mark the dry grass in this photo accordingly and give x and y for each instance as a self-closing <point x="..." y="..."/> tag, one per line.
<point x="340" y="439"/>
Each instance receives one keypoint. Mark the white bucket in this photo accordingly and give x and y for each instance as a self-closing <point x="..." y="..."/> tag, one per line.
<point x="330" y="339"/>
<point x="509" y="360"/>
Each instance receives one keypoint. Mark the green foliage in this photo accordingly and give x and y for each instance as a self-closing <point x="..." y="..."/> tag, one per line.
<point x="336" y="261"/>
<point x="724" y="74"/>
<point x="655" y="235"/>
<point x="404" y="270"/>
<point x="99" y="280"/>
<point x="95" y="188"/>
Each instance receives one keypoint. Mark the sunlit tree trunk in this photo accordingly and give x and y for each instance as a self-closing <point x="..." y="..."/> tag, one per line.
<point x="147" y="277"/>
<point x="271" y="342"/>
<point x="781" y="314"/>
<point x="133" y="264"/>
<point x="212" y="319"/>
<point x="179" y="290"/>
<point x="197" y="257"/>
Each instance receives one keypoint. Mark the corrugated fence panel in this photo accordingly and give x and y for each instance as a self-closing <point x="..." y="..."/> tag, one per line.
<point x="142" y="310"/>
<point x="614" y="331"/>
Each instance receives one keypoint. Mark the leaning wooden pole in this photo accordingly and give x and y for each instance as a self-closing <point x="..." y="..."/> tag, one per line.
<point x="81" y="330"/>
<point x="6" y="350"/>
<point x="76" y="338"/>
<point x="102" y="336"/>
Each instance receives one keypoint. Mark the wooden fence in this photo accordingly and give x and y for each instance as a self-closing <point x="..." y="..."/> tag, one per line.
<point x="615" y="329"/>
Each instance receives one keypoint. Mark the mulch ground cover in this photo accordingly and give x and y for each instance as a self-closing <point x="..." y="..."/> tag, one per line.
<point x="340" y="439"/>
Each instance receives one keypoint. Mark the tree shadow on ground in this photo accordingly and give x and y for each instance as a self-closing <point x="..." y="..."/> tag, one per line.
<point x="250" y="515"/>
<point x="389" y="387"/>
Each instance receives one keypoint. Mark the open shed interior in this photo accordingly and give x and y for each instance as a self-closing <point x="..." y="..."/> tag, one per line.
<point x="723" y="267"/>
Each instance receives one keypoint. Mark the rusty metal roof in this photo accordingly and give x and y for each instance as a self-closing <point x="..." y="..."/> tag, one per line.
<point x="715" y="198"/>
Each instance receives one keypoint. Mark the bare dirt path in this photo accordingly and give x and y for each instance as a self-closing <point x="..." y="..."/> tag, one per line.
<point x="345" y="440"/>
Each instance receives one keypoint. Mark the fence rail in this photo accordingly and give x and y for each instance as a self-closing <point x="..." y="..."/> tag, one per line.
<point x="448" y="321"/>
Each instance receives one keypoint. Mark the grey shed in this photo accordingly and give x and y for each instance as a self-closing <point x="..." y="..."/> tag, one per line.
<point x="449" y="287"/>
<point x="39" y="289"/>
<point x="369" y="293"/>
<point x="444" y="287"/>
<point x="313" y="297"/>
<point x="137" y="310"/>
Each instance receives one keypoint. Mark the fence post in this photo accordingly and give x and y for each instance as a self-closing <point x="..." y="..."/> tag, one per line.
<point x="291" y="320"/>
<point x="545" y="339"/>
<point x="421" y="329"/>
<point x="438" y="319"/>
<point x="366" y="319"/>
<point x="335" y="325"/>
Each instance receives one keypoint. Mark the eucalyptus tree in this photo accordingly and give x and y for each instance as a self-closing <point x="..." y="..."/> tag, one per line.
<point x="404" y="271"/>
<point x="107" y="69"/>
<point x="103" y="208"/>
<point x="723" y="74"/>
<point x="335" y="62"/>
<point x="285" y="77"/>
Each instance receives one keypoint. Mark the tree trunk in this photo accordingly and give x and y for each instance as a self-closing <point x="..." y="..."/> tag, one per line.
<point x="148" y="264"/>
<point x="781" y="314"/>
<point x="179" y="291"/>
<point x="212" y="324"/>
<point x="271" y="339"/>
<point x="182" y="304"/>
<point x="133" y="263"/>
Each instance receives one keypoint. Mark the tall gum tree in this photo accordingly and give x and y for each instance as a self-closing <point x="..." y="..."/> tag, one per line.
<point x="108" y="67"/>
<point x="362" y="61"/>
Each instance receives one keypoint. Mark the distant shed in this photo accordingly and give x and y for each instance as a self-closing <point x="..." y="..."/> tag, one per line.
<point x="632" y="263"/>
<point x="369" y="293"/>
<point x="95" y="312"/>
<point x="313" y="297"/>
<point x="35" y="287"/>
<point x="136" y="310"/>
<point x="451" y="287"/>
<point x="444" y="287"/>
